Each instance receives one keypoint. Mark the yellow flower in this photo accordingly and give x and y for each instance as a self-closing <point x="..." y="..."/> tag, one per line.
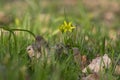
<point x="66" y="27"/>
<point x="17" y="21"/>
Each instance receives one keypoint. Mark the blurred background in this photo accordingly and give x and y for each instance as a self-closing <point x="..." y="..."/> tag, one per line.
<point x="105" y="12"/>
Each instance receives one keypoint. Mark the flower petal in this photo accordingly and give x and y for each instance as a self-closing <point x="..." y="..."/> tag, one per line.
<point x="65" y="23"/>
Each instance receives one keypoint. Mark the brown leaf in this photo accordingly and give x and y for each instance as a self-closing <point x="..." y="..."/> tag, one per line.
<point x="94" y="76"/>
<point x="78" y="58"/>
<point x="77" y="55"/>
<point x="117" y="70"/>
<point x="98" y="64"/>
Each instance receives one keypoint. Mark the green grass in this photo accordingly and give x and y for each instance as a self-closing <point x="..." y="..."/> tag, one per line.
<point x="14" y="61"/>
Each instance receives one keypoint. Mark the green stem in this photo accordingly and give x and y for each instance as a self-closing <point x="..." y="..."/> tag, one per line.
<point x="25" y="31"/>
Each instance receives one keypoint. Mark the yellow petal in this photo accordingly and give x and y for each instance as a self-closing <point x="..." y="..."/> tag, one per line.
<point x="70" y="23"/>
<point x="65" y="30"/>
<point x="65" y="23"/>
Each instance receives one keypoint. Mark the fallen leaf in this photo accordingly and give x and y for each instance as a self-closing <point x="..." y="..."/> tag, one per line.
<point x="117" y="70"/>
<point x="77" y="56"/>
<point x="98" y="64"/>
<point x="94" y="76"/>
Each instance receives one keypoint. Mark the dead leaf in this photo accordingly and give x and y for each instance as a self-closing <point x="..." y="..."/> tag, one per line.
<point x="94" y="76"/>
<point x="117" y="70"/>
<point x="32" y="52"/>
<point x="77" y="55"/>
<point x="78" y="58"/>
<point x="98" y="64"/>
